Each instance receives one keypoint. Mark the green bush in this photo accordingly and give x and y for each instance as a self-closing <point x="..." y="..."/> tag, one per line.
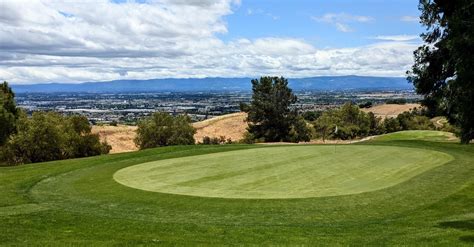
<point x="49" y="136"/>
<point x="162" y="129"/>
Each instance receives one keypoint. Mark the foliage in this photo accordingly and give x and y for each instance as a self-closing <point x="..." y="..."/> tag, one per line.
<point x="443" y="70"/>
<point x="49" y="136"/>
<point x="162" y="129"/>
<point x="400" y="101"/>
<point x="9" y="113"/>
<point x="351" y="123"/>
<point x="367" y="104"/>
<point x="354" y="123"/>
<point x="270" y="116"/>
<point x="206" y="140"/>
<point x="312" y="115"/>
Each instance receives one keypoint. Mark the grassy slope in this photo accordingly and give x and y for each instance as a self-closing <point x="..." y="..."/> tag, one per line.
<point x="78" y="202"/>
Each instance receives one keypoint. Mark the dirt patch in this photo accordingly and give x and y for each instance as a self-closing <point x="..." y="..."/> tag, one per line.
<point x="390" y="110"/>
<point x="231" y="126"/>
<point x="119" y="137"/>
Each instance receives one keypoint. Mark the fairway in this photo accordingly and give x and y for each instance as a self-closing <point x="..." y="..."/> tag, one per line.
<point x="283" y="172"/>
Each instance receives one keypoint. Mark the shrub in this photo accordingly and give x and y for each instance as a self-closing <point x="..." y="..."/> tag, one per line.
<point x="162" y="129"/>
<point x="49" y="136"/>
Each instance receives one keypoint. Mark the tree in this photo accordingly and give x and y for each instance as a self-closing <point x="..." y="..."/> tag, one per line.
<point x="9" y="113"/>
<point x="443" y="70"/>
<point x="49" y="136"/>
<point x="270" y="116"/>
<point x="162" y="129"/>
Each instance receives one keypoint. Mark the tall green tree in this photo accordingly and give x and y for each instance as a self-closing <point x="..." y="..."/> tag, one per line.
<point x="270" y="116"/>
<point x="8" y="112"/>
<point x="444" y="66"/>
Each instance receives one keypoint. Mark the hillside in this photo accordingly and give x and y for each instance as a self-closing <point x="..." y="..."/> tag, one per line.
<point x="121" y="137"/>
<point x="390" y="110"/>
<point x="231" y="126"/>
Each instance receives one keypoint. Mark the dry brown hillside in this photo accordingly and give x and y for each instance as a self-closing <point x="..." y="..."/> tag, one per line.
<point x="390" y="110"/>
<point x="121" y="137"/>
<point x="230" y="126"/>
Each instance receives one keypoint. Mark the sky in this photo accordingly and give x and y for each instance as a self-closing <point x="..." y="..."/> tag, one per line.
<point x="74" y="41"/>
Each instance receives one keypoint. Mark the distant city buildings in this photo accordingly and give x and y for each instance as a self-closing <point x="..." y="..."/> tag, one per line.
<point x="128" y="108"/>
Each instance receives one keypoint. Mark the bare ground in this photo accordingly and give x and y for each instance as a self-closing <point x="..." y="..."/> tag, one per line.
<point x="390" y="110"/>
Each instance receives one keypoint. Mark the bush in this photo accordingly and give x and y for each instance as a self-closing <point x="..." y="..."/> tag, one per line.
<point x="350" y="121"/>
<point x="311" y="115"/>
<point x="49" y="136"/>
<point x="367" y="104"/>
<point x="400" y="101"/>
<point x="162" y="129"/>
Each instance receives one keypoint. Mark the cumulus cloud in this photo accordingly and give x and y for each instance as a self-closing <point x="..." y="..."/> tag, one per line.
<point x="341" y="20"/>
<point x="76" y="41"/>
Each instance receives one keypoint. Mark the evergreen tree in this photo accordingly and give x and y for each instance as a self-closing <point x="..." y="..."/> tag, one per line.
<point x="444" y="66"/>
<point x="270" y="116"/>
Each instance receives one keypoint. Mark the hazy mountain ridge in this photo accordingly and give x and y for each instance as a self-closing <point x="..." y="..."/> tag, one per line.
<point x="216" y="84"/>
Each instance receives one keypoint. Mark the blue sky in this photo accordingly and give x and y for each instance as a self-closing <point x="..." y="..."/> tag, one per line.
<point x="262" y="18"/>
<point x="100" y="40"/>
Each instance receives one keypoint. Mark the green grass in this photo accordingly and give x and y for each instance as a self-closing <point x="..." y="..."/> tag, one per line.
<point x="283" y="172"/>
<point x="423" y="135"/>
<point x="77" y="202"/>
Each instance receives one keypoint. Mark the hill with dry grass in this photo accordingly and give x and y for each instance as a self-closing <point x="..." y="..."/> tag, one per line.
<point x="390" y="110"/>
<point x="229" y="126"/>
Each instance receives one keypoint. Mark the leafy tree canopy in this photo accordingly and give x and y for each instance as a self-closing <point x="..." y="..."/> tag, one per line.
<point x="162" y="129"/>
<point x="50" y="136"/>
<point x="444" y="66"/>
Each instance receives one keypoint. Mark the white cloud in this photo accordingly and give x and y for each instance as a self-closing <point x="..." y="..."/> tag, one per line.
<point x="343" y="27"/>
<point x="402" y="37"/>
<point x="54" y="41"/>
<point x="409" y="18"/>
<point x="341" y="20"/>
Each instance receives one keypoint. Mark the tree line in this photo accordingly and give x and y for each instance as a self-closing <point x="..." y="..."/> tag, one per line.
<point x="45" y="136"/>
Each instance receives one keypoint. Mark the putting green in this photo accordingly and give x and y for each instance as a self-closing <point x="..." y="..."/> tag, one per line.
<point x="283" y="172"/>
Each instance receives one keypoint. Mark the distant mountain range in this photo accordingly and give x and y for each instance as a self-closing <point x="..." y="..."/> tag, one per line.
<point x="215" y="84"/>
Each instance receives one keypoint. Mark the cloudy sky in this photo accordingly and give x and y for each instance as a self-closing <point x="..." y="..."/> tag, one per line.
<point x="98" y="40"/>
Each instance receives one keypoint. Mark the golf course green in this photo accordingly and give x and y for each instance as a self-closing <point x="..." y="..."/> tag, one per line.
<point x="401" y="189"/>
<point x="283" y="172"/>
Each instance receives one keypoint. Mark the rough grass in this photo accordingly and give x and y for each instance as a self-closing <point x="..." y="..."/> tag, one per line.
<point x="283" y="172"/>
<point x="424" y="135"/>
<point x="77" y="202"/>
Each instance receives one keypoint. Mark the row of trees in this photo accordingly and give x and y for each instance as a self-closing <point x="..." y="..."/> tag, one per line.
<point x="44" y="136"/>
<point x="354" y="123"/>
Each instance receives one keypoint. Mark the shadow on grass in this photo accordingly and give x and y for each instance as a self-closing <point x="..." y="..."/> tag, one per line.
<point x="467" y="225"/>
